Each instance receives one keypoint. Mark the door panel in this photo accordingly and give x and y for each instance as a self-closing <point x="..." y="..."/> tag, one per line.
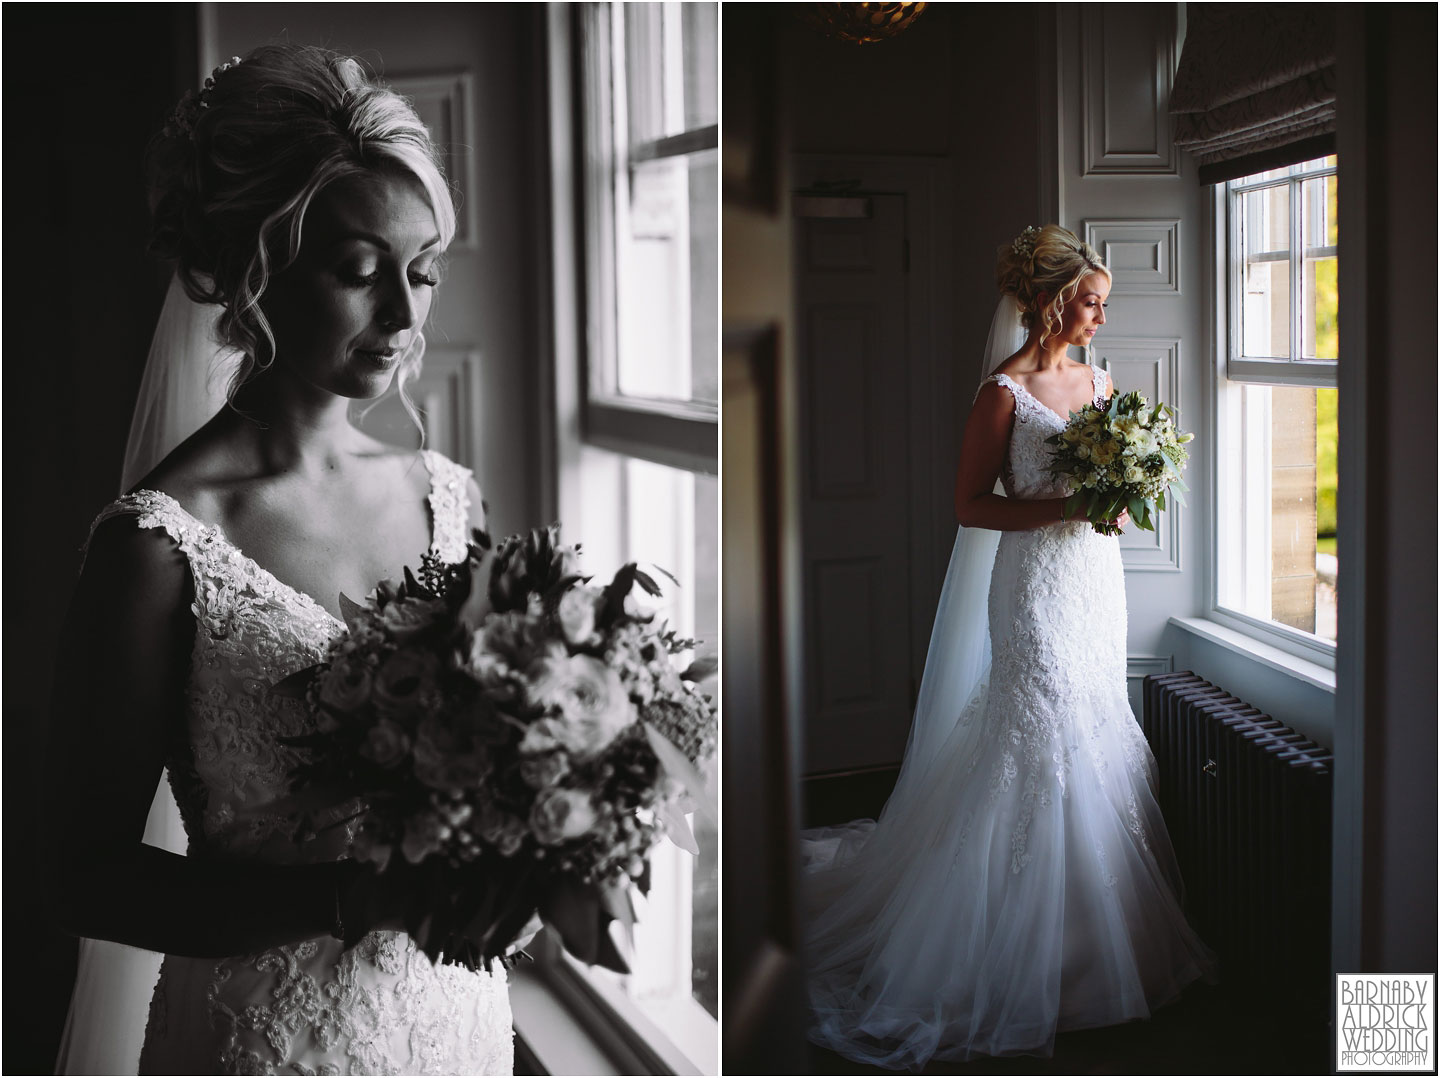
<point x="854" y="357"/>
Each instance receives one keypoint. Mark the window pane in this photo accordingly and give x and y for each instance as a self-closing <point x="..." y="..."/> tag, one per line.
<point x="1278" y="555"/>
<point x="658" y="516"/>
<point x="1266" y="240"/>
<point x="670" y="58"/>
<point x="1320" y="274"/>
<point x="668" y="254"/>
<point x="1327" y="443"/>
<point x="701" y="59"/>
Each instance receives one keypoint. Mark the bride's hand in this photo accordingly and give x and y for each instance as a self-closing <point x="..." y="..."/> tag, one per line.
<point x="1122" y="519"/>
<point x="372" y="901"/>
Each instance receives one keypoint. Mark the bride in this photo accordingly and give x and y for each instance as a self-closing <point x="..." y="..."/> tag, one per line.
<point x="1020" y="880"/>
<point x="305" y="202"/>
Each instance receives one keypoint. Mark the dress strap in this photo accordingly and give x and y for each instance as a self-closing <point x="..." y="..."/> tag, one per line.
<point x="156" y="509"/>
<point x="449" y="505"/>
<point x="1002" y="379"/>
<point x="1097" y="376"/>
<point x="1026" y="406"/>
<point x="204" y="545"/>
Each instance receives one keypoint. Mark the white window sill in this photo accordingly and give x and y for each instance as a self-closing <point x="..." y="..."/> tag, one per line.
<point x="1265" y="654"/>
<point x="558" y="1040"/>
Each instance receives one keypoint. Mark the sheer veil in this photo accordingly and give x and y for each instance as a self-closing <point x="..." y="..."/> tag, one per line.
<point x="956" y="675"/>
<point x="182" y="387"/>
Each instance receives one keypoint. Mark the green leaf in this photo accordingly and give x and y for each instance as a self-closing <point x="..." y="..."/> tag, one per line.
<point x="684" y="772"/>
<point x="297" y="684"/>
<point x="351" y="611"/>
<point x="1178" y="496"/>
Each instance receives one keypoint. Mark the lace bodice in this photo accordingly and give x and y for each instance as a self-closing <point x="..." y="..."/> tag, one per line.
<point x="311" y="1007"/>
<point x="252" y="630"/>
<point x="1027" y="462"/>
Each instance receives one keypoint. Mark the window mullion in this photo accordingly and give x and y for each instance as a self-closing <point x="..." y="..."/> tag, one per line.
<point x="1297" y="260"/>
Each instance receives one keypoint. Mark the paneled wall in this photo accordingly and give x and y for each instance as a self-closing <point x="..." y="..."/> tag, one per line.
<point x="473" y="72"/>
<point x="1121" y="184"/>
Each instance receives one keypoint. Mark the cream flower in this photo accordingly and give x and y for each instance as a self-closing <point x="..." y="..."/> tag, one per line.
<point x="402" y="681"/>
<point x="558" y="815"/>
<point x="443" y="761"/>
<point x="404" y="618"/>
<point x="386" y="743"/>
<point x="576" y="614"/>
<point x="591" y="703"/>
<point x="346" y="687"/>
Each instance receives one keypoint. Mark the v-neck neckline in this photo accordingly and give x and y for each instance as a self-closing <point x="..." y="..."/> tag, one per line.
<point x="303" y="596"/>
<point x="1094" y="395"/>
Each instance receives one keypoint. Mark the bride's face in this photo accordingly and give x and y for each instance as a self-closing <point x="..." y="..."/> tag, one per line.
<point x="1085" y="314"/>
<point x="354" y="299"/>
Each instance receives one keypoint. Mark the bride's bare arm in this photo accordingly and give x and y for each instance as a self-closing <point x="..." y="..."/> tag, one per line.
<point x="982" y="454"/>
<point x="124" y="659"/>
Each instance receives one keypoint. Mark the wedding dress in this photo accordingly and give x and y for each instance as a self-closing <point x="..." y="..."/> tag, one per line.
<point x="310" y="1007"/>
<point x="1020" y="880"/>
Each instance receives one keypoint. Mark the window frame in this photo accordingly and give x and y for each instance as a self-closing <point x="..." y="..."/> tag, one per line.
<point x="581" y="413"/>
<point x="679" y="434"/>
<point x="1231" y="372"/>
<point x="1296" y="369"/>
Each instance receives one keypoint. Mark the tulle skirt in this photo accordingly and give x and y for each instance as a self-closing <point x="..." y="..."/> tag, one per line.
<point x="1020" y="881"/>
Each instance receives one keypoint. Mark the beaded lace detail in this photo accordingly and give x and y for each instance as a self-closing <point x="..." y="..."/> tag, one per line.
<point x="1027" y="464"/>
<point x="380" y="1008"/>
<point x="1020" y="880"/>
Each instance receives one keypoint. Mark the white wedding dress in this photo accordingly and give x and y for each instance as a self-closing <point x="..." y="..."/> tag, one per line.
<point x="309" y="1008"/>
<point x="1020" y="881"/>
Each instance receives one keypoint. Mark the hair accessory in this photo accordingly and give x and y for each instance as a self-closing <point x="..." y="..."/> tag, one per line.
<point x="1025" y="242"/>
<point x="182" y="121"/>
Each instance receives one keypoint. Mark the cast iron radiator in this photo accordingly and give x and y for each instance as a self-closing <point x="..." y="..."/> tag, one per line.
<point x="1247" y="802"/>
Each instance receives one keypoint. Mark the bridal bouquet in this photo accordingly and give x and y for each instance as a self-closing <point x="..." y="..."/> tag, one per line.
<point x="520" y="743"/>
<point x="1125" y="455"/>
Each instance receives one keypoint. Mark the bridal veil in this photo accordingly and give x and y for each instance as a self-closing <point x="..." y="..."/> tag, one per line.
<point x="183" y="386"/>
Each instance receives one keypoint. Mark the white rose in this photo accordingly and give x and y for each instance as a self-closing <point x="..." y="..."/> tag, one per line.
<point x="591" y="702"/>
<point x="405" y="617"/>
<point x="576" y="613"/>
<point x="386" y="743"/>
<point x="443" y="761"/>
<point x="558" y="815"/>
<point x="345" y="686"/>
<point x="1133" y="474"/>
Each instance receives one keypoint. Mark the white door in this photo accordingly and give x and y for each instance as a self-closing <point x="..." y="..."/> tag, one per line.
<point x="856" y="492"/>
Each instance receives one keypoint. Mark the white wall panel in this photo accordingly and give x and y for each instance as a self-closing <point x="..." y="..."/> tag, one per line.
<point x="1143" y="254"/>
<point x="1127" y="61"/>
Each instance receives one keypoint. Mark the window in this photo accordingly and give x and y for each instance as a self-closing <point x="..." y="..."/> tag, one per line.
<point x="637" y="431"/>
<point x="1276" y="436"/>
<point x="652" y="230"/>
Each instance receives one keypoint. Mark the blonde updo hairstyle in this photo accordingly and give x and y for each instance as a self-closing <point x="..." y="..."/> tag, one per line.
<point x="239" y="164"/>
<point x="1050" y="260"/>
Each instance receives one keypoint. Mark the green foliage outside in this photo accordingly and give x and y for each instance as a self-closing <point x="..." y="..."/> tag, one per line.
<point x="1327" y="308"/>
<point x="1327" y="343"/>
